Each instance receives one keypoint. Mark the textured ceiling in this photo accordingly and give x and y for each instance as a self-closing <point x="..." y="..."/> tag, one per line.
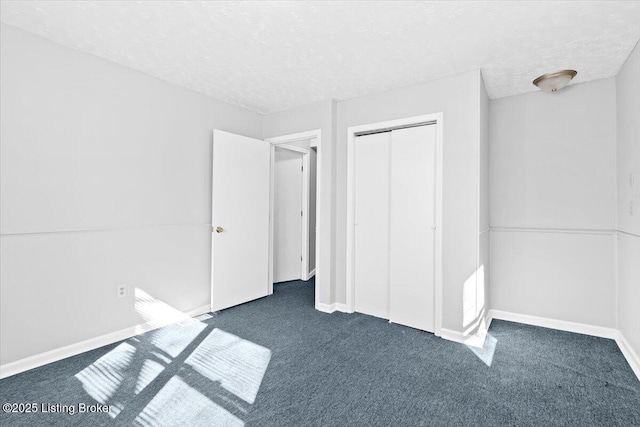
<point x="271" y="56"/>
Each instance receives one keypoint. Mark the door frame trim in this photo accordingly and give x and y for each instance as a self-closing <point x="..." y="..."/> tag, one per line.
<point x="352" y="133"/>
<point x="287" y="140"/>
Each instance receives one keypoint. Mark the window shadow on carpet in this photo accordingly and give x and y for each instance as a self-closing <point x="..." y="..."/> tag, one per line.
<point x="186" y="373"/>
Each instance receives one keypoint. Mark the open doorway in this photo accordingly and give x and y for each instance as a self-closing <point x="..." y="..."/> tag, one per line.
<point x="294" y="207"/>
<point x="290" y="213"/>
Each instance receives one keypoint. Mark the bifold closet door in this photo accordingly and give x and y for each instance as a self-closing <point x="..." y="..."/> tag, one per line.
<point x="371" y="240"/>
<point x="411" y="233"/>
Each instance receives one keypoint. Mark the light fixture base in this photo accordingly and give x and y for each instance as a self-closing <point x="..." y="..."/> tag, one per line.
<point x="553" y="82"/>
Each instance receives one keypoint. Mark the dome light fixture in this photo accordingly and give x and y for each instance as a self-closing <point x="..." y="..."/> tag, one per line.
<point x="553" y="82"/>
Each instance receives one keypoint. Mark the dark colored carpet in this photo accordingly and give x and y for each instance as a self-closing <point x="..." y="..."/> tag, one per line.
<point x="311" y="368"/>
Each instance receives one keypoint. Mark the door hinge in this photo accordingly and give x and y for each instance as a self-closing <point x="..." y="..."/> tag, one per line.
<point x="300" y="258"/>
<point x="301" y="213"/>
<point x="302" y="168"/>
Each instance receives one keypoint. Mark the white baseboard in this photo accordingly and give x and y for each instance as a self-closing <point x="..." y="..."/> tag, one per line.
<point x="632" y="357"/>
<point x="60" y="353"/>
<point x="311" y="274"/>
<point x="325" y="308"/>
<point x="473" y="340"/>
<point x="330" y="308"/>
<point x="561" y="325"/>
<point x="459" y="337"/>
<point x="341" y="308"/>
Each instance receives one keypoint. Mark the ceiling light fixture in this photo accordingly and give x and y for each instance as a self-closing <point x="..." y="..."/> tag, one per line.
<point x="553" y="82"/>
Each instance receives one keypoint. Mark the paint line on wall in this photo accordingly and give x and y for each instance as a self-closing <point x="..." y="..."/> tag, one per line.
<point x="98" y="230"/>
<point x="628" y="234"/>
<point x="553" y="230"/>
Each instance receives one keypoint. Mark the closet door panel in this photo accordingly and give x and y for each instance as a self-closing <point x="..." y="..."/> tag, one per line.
<point x="412" y="216"/>
<point x="372" y="225"/>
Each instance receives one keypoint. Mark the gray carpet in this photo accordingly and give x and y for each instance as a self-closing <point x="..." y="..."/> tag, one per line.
<point x="278" y="362"/>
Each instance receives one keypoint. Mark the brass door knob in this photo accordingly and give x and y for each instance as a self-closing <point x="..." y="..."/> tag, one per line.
<point x="219" y="229"/>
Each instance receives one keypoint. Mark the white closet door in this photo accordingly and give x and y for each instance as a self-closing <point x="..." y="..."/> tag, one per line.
<point x="287" y="219"/>
<point x="371" y="238"/>
<point x="412" y="216"/>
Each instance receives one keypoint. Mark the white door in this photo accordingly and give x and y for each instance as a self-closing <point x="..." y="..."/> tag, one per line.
<point x="240" y="219"/>
<point x="412" y="236"/>
<point x="287" y="215"/>
<point x="372" y="224"/>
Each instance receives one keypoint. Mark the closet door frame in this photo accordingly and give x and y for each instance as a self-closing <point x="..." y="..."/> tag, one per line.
<point x="435" y="119"/>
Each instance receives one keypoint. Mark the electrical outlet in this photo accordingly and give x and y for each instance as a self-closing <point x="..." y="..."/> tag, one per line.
<point x="631" y="208"/>
<point x="122" y="291"/>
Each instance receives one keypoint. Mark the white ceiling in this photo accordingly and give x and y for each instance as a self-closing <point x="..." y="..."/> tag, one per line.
<point x="271" y="56"/>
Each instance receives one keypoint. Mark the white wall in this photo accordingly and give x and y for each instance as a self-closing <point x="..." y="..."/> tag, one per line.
<point x="458" y="98"/>
<point x="560" y="276"/>
<point x="553" y="203"/>
<point x="316" y="116"/>
<point x="628" y="155"/>
<point x="105" y="180"/>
